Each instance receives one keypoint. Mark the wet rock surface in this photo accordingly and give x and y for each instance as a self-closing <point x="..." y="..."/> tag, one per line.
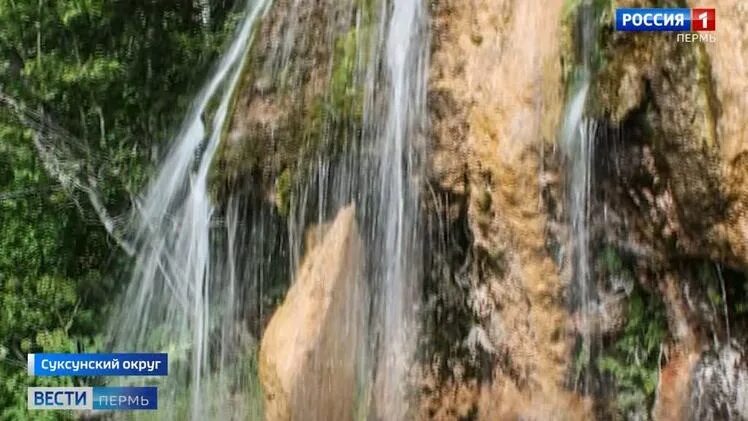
<point x="667" y="197"/>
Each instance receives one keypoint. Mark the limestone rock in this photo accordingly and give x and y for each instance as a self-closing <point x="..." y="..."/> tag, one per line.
<point x="308" y="355"/>
<point x="677" y="181"/>
<point x="496" y="94"/>
<point x="729" y="68"/>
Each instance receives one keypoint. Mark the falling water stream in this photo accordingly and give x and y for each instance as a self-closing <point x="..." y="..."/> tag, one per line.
<point x="577" y="142"/>
<point x="209" y="272"/>
<point x="380" y="173"/>
<point x="398" y="202"/>
<point x="175" y="300"/>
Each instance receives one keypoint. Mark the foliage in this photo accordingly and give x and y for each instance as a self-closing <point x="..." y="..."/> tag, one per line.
<point x="114" y="76"/>
<point x="632" y="361"/>
<point x="346" y="102"/>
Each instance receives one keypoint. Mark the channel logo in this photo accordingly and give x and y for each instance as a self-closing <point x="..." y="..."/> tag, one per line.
<point x="94" y="398"/>
<point x="666" y="20"/>
<point x="703" y="19"/>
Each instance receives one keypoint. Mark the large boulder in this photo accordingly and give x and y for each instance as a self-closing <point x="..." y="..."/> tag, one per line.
<point x="308" y="355"/>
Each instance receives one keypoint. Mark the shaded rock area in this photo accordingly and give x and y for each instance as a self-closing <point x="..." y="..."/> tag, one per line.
<point x="308" y="356"/>
<point x="678" y="141"/>
<point x="659" y="94"/>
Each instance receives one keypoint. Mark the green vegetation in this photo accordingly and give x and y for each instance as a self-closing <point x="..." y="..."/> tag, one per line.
<point x="283" y="192"/>
<point x="632" y="360"/>
<point x="626" y="363"/>
<point x="577" y="16"/>
<point x="346" y="97"/>
<point x="114" y="78"/>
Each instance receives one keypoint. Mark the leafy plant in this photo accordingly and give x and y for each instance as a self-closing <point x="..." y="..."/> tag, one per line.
<point x="632" y="361"/>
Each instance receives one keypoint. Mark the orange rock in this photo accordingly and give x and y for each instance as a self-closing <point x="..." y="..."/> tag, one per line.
<point x="308" y="355"/>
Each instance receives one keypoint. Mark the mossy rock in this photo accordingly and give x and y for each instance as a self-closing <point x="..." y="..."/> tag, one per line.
<point x="292" y="106"/>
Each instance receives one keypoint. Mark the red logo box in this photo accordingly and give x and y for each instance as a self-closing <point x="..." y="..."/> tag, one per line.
<point x="703" y="19"/>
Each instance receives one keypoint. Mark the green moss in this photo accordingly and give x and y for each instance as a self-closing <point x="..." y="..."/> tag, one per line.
<point x="610" y="262"/>
<point x="330" y="117"/>
<point x="283" y="192"/>
<point x="345" y="96"/>
<point x="572" y="54"/>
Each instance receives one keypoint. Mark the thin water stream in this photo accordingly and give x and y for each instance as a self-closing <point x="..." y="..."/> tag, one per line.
<point x="577" y="142"/>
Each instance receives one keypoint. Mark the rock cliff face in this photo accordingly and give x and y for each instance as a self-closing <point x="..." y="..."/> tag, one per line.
<point x="728" y="63"/>
<point x="501" y="339"/>
<point x="661" y="94"/>
<point x="298" y="98"/>
<point x="667" y="208"/>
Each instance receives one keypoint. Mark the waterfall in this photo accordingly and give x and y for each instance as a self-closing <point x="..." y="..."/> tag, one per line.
<point x="381" y="171"/>
<point x="201" y="270"/>
<point x="584" y="296"/>
<point x="399" y="173"/>
<point x="577" y="143"/>
<point x="175" y="298"/>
